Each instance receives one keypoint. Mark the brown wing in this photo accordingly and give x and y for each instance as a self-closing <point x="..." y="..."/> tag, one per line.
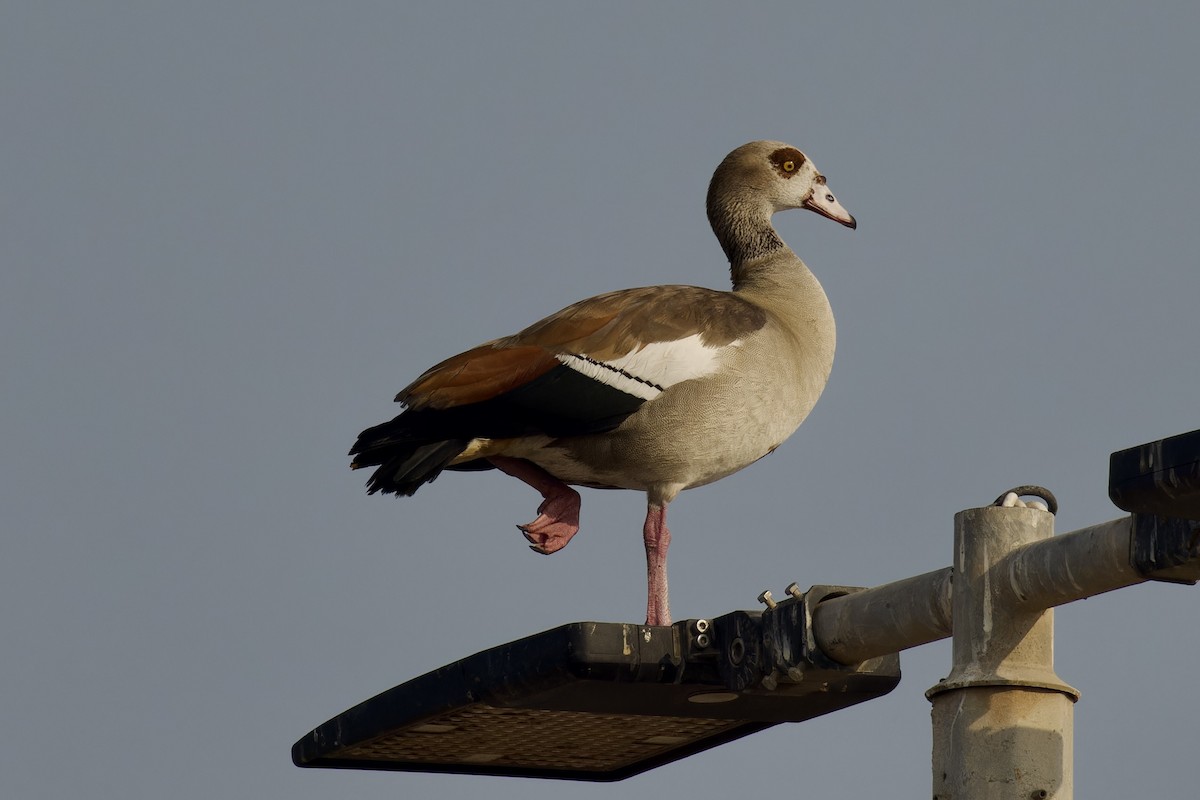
<point x="603" y="328"/>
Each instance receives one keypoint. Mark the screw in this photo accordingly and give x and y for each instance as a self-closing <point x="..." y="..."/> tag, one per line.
<point x="703" y="641"/>
<point x="766" y="599"/>
<point x="1039" y="794"/>
<point x="700" y="626"/>
<point x="793" y="589"/>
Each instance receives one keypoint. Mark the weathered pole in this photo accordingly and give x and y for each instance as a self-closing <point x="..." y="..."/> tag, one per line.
<point x="1002" y="718"/>
<point x="1040" y="574"/>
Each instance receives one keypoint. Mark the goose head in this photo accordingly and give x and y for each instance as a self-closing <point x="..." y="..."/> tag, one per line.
<point x="765" y="177"/>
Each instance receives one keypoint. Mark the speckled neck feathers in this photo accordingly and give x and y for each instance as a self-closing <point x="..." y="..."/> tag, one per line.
<point x="742" y="226"/>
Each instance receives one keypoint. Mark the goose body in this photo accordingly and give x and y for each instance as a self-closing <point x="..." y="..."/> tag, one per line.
<point x="656" y="389"/>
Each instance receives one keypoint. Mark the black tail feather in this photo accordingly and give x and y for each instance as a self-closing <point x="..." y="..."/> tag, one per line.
<point x="405" y="467"/>
<point x="412" y="449"/>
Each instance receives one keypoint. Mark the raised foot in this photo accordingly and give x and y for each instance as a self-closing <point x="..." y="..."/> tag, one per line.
<point x="558" y="515"/>
<point x="557" y="522"/>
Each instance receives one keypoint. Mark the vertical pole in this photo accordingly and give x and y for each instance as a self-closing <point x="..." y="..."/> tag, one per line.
<point x="1002" y="719"/>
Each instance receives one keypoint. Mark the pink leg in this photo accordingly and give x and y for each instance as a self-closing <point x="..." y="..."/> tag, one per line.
<point x="558" y="516"/>
<point x="658" y="539"/>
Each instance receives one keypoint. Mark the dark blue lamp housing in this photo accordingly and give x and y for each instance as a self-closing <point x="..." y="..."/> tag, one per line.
<point x="1159" y="483"/>
<point x="1160" y="478"/>
<point x="601" y="701"/>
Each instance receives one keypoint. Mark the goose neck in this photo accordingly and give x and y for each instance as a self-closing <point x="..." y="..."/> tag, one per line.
<point x="743" y="227"/>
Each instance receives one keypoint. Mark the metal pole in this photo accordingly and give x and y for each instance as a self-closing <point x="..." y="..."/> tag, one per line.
<point x="885" y="619"/>
<point x="1002" y="719"/>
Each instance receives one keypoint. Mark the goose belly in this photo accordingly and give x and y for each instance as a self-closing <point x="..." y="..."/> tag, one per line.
<point x="695" y="433"/>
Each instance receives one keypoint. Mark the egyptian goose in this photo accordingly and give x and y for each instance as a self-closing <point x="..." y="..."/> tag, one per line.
<point x="658" y="389"/>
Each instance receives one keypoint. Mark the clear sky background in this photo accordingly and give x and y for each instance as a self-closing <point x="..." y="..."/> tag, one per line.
<point x="232" y="231"/>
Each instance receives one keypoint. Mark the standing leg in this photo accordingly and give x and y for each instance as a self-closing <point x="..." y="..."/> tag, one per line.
<point x="657" y="539"/>
<point x="558" y="515"/>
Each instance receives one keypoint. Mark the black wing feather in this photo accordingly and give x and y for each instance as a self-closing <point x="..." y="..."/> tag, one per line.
<point x="417" y="445"/>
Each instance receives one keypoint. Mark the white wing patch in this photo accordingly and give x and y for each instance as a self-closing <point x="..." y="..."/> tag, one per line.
<point x="653" y="368"/>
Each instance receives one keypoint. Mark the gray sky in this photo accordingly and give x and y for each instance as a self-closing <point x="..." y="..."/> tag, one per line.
<point x="232" y="231"/>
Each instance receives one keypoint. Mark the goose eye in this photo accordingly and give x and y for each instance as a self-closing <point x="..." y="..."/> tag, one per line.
<point x="789" y="166"/>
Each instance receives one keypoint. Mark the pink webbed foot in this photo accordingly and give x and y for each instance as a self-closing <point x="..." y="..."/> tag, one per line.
<point x="558" y="515"/>
<point x="557" y="522"/>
